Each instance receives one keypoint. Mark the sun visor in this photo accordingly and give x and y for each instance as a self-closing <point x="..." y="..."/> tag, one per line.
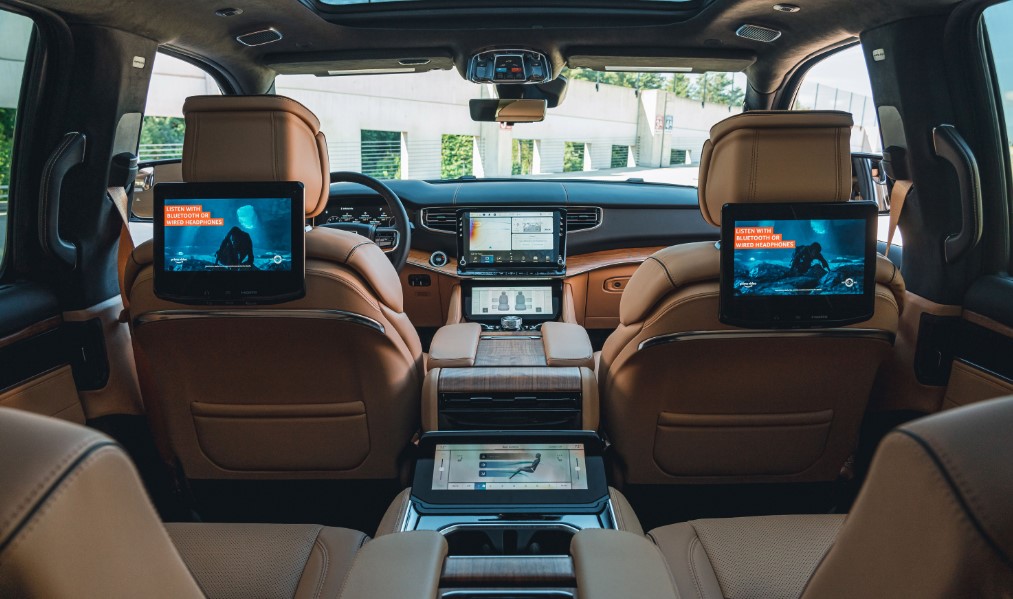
<point x="684" y="61"/>
<point x="357" y="63"/>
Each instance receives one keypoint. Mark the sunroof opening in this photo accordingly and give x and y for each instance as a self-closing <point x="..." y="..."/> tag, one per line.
<point x="476" y="3"/>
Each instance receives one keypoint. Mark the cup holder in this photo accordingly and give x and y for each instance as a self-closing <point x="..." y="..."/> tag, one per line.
<point x="509" y="540"/>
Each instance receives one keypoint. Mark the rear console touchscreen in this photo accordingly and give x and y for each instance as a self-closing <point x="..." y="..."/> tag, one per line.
<point x="511" y="242"/>
<point x="488" y="301"/>
<point x="510" y="470"/>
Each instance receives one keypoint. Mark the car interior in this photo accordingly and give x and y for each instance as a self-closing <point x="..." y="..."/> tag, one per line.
<point x="499" y="300"/>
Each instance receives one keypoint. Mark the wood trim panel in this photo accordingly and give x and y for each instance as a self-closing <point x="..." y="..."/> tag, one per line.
<point x="30" y="331"/>
<point x="508" y="351"/>
<point x="508" y="379"/>
<point x="508" y="571"/>
<point x="582" y="263"/>
<point x="575" y="265"/>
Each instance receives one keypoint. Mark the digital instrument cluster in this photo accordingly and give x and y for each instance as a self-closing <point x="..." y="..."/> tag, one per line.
<point x="356" y="212"/>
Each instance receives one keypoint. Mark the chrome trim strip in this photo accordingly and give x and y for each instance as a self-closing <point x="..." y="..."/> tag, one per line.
<point x="422" y="215"/>
<point x="977" y="366"/>
<point x="836" y="333"/>
<point x="167" y="315"/>
<point x="512" y="524"/>
<point x="612" y="514"/>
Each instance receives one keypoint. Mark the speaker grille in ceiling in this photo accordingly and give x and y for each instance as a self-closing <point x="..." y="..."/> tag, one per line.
<point x="757" y="33"/>
<point x="259" y="38"/>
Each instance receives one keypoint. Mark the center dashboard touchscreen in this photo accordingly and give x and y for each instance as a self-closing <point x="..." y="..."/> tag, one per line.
<point x="229" y="243"/>
<point x="511" y="241"/>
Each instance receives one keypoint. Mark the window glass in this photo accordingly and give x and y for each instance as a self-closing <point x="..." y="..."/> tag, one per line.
<point x="999" y="22"/>
<point x="841" y="82"/>
<point x="15" y="36"/>
<point x="172" y="82"/>
<point x="611" y="126"/>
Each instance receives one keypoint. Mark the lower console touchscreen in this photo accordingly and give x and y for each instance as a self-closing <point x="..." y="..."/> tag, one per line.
<point x="501" y="466"/>
<point x="488" y="300"/>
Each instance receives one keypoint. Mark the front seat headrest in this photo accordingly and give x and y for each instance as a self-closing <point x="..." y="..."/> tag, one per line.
<point x="776" y="156"/>
<point x="256" y="138"/>
<point x="75" y="520"/>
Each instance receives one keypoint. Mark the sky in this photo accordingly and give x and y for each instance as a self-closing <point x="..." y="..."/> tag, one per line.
<point x="845" y="70"/>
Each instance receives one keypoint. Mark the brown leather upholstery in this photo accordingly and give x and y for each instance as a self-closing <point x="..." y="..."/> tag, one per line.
<point x="932" y="521"/>
<point x="455" y="346"/>
<point x="746" y="558"/>
<point x="236" y="561"/>
<point x="775" y="156"/>
<point x="326" y="386"/>
<point x="75" y="522"/>
<point x="256" y="138"/>
<point x="719" y="407"/>
<point x="614" y="563"/>
<point x="566" y="344"/>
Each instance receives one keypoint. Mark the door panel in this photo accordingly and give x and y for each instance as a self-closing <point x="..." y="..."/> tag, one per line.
<point x="983" y="358"/>
<point x="49" y="394"/>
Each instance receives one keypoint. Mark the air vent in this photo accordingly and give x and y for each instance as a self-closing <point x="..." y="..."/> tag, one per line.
<point x="259" y="38"/>
<point x="440" y="219"/>
<point x="757" y="33"/>
<point x="582" y="218"/>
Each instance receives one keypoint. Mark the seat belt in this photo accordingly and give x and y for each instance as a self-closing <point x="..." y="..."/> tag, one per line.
<point x="122" y="172"/>
<point x="895" y="165"/>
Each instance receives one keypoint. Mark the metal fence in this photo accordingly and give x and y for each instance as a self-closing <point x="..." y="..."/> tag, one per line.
<point x="150" y="152"/>
<point x="3" y="200"/>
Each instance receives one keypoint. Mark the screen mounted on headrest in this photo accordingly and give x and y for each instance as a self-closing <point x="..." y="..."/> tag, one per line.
<point x="797" y="265"/>
<point x="229" y="243"/>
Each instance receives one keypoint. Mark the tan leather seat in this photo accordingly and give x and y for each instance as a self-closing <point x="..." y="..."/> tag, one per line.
<point x="327" y="386"/>
<point x="932" y="521"/>
<point x="687" y="399"/>
<point x="75" y="523"/>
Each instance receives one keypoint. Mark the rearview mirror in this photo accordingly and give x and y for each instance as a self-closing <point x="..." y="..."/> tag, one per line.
<point x="508" y="111"/>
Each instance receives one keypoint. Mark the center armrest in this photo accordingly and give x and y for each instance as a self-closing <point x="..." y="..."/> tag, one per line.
<point x="567" y="344"/>
<point x="406" y="564"/>
<point x="614" y="563"/>
<point x="455" y="345"/>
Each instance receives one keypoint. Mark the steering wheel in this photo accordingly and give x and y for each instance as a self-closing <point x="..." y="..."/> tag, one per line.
<point x="399" y="236"/>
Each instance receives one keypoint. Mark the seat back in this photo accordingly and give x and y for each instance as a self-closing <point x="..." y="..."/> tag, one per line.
<point x="326" y="386"/>
<point x="689" y="399"/>
<point x="933" y="520"/>
<point x="74" y="518"/>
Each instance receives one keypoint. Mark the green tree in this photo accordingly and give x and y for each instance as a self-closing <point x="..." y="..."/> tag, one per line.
<point x="680" y="85"/>
<point x="630" y="80"/>
<point x="718" y="88"/>
<point x="522" y="156"/>
<point x="573" y="157"/>
<point x="6" y="144"/>
<point x="161" y="131"/>
<point x="381" y="153"/>
<point x="457" y="156"/>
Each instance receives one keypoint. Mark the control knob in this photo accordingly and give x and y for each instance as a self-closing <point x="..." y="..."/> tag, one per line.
<point x="438" y="259"/>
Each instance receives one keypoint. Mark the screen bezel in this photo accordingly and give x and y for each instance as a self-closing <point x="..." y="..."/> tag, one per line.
<point x="230" y="288"/>
<point x="559" y="244"/>
<point x="597" y="488"/>
<point x="467" y="309"/>
<point x="771" y="312"/>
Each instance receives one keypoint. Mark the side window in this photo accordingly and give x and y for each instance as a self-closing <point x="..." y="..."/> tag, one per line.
<point x="841" y="82"/>
<point x="172" y="82"/>
<point x="999" y="22"/>
<point x="15" y="36"/>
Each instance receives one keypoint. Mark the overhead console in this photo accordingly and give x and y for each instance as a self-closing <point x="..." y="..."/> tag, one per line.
<point x="509" y="66"/>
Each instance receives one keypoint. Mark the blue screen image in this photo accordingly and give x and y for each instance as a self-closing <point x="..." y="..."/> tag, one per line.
<point x="228" y="234"/>
<point x="799" y="257"/>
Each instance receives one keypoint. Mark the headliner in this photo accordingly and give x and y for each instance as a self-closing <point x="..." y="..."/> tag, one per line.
<point x="697" y="28"/>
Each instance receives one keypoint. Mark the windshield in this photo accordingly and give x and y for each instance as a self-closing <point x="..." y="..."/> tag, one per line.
<point x="610" y="126"/>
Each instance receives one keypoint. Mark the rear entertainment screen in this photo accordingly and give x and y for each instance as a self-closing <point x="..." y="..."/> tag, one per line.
<point x="797" y="265"/>
<point x="517" y="467"/>
<point x="229" y="243"/>
<point x="512" y="300"/>
<point x="492" y="240"/>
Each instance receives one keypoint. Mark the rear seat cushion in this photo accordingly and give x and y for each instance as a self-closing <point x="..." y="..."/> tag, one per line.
<point x="267" y="560"/>
<point x="746" y="558"/>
